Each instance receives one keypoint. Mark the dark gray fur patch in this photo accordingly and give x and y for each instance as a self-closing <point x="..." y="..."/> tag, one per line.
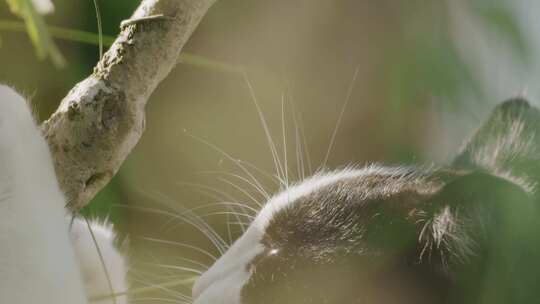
<point x="461" y="234"/>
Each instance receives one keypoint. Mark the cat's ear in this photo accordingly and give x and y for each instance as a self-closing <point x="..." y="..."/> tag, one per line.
<point x="484" y="228"/>
<point x="480" y="198"/>
<point x="507" y="144"/>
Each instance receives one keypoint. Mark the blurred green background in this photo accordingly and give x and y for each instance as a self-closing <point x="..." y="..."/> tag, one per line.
<point x="428" y="72"/>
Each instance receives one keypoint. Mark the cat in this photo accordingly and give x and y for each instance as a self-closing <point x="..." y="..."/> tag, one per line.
<point x="468" y="232"/>
<point x="462" y="233"/>
<point x="46" y="256"/>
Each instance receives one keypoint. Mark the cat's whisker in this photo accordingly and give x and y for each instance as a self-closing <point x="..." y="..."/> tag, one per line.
<point x="179" y="244"/>
<point x="193" y="262"/>
<point x="139" y="276"/>
<point x="228" y="212"/>
<point x="225" y="203"/>
<point x="240" y="223"/>
<point x="214" y="238"/>
<point x="271" y="177"/>
<point x="173" y="267"/>
<point x="340" y="117"/>
<point x="300" y="167"/>
<point x="233" y="160"/>
<point x="155" y="260"/>
<point x="237" y="215"/>
<point x="301" y="141"/>
<point x="149" y="282"/>
<point x="229" y="232"/>
<point x="170" y="224"/>
<point x="101" y="259"/>
<point x="152" y="275"/>
<point x="284" y="135"/>
<point x="214" y="192"/>
<point x="306" y="147"/>
<point x="228" y="206"/>
<point x="239" y="177"/>
<point x="192" y="219"/>
<point x="150" y="287"/>
<point x="162" y="300"/>
<point x="162" y="287"/>
<point x="300" y="171"/>
<point x="233" y="202"/>
<point x="249" y="208"/>
<point x="165" y="287"/>
<point x="265" y="194"/>
<point x="243" y="191"/>
<point x="273" y="150"/>
<point x="187" y="280"/>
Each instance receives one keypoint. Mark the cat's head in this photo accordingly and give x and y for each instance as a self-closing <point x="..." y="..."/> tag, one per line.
<point x="395" y="234"/>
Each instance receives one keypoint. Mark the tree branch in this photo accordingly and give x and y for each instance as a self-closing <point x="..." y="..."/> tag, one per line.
<point x="102" y="118"/>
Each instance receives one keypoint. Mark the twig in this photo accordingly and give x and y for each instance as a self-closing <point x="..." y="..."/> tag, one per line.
<point x="102" y="118"/>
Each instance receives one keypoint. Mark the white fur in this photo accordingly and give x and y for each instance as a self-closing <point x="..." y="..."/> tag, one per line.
<point x="94" y="277"/>
<point x="37" y="263"/>
<point x="291" y="195"/>
<point x="223" y="282"/>
<point x="37" y="256"/>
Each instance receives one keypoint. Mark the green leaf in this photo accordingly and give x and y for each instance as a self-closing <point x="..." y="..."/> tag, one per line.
<point x="498" y="16"/>
<point x="37" y="30"/>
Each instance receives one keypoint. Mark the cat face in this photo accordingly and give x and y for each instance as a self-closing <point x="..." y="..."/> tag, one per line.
<point x="391" y="235"/>
<point x="335" y="238"/>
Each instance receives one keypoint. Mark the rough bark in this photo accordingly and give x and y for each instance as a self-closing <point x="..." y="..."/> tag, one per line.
<point x="102" y="118"/>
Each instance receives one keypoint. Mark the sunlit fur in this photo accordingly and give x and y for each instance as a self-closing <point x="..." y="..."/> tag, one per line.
<point x="97" y="274"/>
<point x="223" y="282"/>
<point x="38" y="262"/>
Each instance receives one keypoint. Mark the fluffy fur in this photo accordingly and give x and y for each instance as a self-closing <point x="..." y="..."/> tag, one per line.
<point x="38" y="263"/>
<point x="385" y="235"/>
<point x="95" y="272"/>
<point x="464" y="233"/>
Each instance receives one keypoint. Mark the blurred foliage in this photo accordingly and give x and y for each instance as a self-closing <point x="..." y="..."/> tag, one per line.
<point x="498" y="16"/>
<point x="95" y="39"/>
<point x="35" y="26"/>
<point x="426" y="63"/>
<point x="42" y="34"/>
<point x="60" y="33"/>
